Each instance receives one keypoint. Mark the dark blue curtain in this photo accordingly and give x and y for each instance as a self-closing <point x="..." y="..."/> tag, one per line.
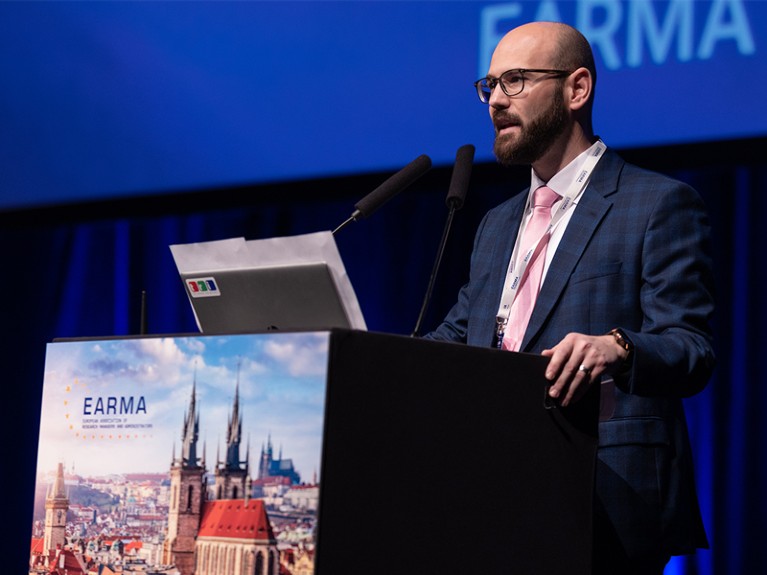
<point x="79" y="271"/>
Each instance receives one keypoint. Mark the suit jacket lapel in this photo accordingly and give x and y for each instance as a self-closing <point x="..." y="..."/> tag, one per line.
<point x="591" y="209"/>
<point x="504" y="246"/>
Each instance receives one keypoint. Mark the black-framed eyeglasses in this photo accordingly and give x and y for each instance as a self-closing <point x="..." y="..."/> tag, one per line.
<point x="512" y="82"/>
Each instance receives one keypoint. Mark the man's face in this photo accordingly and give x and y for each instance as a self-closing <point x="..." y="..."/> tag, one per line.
<point x="528" y="124"/>
<point x="523" y="140"/>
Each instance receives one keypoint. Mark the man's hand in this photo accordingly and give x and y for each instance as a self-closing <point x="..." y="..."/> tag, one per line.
<point x="579" y="360"/>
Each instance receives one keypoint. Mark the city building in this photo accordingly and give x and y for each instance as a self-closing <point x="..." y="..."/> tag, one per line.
<point x="229" y="535"/>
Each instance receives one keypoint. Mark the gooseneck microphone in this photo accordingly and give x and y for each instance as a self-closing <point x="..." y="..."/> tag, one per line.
<point x="459" y="182"/>
<point x="459" y="185"/>
<point x="390" y="188"/>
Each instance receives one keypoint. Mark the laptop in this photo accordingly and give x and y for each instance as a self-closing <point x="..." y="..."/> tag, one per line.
<point x="294" y="297"/>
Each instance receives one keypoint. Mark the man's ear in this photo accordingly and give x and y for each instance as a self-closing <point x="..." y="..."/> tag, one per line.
<point x="581" y="86"/>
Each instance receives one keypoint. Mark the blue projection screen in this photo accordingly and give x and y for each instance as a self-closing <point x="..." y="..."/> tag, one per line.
<point x="109" y="99"/>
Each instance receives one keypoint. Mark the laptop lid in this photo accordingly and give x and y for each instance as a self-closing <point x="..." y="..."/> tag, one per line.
<point x="287" y="298"/>
<point x="294" y="283"/>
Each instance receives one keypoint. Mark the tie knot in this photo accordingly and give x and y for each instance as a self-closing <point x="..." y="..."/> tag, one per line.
<point x="545" y="197"/>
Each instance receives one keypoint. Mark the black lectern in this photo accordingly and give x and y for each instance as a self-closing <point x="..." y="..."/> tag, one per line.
<point x="446" y="459"/>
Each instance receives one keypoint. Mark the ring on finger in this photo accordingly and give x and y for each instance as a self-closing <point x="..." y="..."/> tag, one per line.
<point x="584" y="369"/>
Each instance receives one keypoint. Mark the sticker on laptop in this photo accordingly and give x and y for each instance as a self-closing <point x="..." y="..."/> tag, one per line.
<point x="202" y="287"/>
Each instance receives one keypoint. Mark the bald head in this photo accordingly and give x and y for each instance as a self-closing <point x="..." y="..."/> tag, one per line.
<point x="572" y="50"/>
<point x="546" y="45"/>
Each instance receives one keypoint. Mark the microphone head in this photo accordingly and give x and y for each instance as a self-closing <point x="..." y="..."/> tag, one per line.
<point x="391" y="187"/>
<point x="459" y="182"/>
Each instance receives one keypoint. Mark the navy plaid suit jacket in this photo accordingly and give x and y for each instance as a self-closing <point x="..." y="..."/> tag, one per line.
<point x="635" y="255"/>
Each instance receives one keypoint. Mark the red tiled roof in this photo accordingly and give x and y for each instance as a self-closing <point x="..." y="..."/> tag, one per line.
<point x="233" y="518"/>
<point x="71" y="565"/>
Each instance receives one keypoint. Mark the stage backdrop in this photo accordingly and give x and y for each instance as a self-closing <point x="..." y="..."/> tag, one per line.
<point x="120" y="98"/>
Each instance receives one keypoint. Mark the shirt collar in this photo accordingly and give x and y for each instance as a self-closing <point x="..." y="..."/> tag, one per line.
<point x="564" y="177"/>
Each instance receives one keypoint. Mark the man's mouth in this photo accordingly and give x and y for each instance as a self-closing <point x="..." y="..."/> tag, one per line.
<point x="504" y="123"/>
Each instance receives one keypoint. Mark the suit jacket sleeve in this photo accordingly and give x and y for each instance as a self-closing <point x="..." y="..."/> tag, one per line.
<point x="673" y="345"/>
<point x="471" y="318"/>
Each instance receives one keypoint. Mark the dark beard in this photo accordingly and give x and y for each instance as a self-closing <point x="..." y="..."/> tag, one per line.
<point x="534" y="140"/>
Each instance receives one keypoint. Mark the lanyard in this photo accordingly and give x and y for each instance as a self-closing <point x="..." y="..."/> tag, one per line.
<point x="518" y="265"/>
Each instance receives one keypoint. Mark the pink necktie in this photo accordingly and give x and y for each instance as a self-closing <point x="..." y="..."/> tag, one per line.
<point x="522" y="307"/>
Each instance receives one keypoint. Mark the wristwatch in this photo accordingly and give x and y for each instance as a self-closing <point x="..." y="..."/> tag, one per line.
<point x="622" y="340"/>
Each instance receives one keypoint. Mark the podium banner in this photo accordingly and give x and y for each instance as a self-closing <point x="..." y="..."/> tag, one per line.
<point x="180" y="454"/>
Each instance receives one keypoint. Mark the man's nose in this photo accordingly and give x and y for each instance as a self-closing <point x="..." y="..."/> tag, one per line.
<point x="498" y="98"/>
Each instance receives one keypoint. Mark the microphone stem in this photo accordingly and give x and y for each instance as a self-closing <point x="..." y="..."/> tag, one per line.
<point x="343" y="225"/>
<point x="143" y="317"/>
<point x="435" y="269"/>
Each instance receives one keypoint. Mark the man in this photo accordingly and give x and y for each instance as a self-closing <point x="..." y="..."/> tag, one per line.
<point x="622" y="297"/>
